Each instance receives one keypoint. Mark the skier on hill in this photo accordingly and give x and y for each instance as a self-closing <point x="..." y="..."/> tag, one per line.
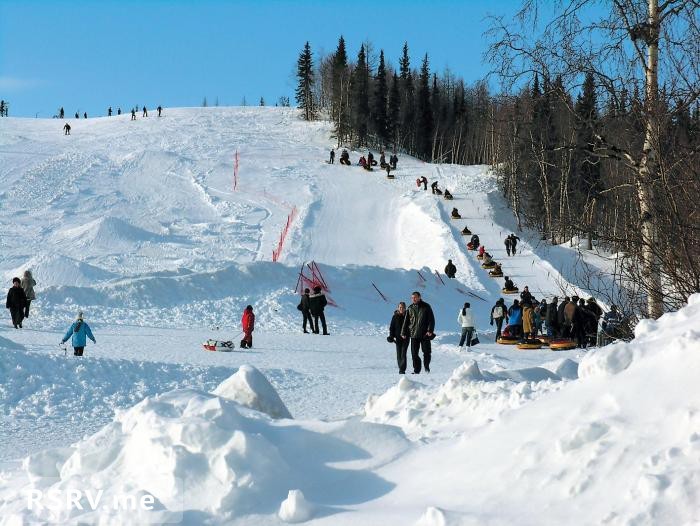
<point x="133" y="114"/>
<point x="66" y="129"/>
<point x="401" y="342"/>
<point x="160" y="110"/>
<point x="515" y="314"/>
<point x="145" y="112"/>
<point x="465" y="318"/>
<point x="498" y="314"/>
<point x="248" y="324"/>
<point x="304" y="307"/>
<point x="345" y="158"/>
<point x="16" y="302"/>
<point x="424" y="181"/>
<point x="508" y="244"/>
<point x="419" y="326"/>
<point x="450" y="269"/>
<point x="28" y="283"/>
<point x="61" y="113"/>
<point x="317" y="304"/>
<point x="109" y="111"/>
<point x="79" y="332"/>
<point x="332" y="159"/>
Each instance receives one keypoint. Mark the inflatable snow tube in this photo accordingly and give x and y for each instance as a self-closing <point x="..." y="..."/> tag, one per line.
<point x="488" y="265"/>
<point x="496" y="274"/>
<point x="508" y="340"/>
<point x="530" y="344"/>
<point x="390" y="177"/>
<point x="513" y="291"/>
<point x="562" y="345"/>
<point x="218" y="346"/>
<point x="457" y="217"/>
<point x="479" y="256"/>
<point x="470" y="246"/>
<point x="466" y="232"/>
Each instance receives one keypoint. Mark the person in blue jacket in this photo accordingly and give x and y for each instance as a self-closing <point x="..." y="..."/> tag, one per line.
<point x="79" y="331"/>
<point x="515" y="315"/>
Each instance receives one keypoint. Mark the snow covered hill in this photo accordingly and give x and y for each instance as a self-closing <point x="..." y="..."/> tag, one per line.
<point x="138" y="225"/>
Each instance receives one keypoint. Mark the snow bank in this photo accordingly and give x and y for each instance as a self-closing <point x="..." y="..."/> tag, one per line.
<point x="469" y="399"/>
<point x="250" y="388"/>
<point x="295" y="508"/>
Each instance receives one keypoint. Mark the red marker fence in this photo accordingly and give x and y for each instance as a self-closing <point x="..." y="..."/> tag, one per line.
<point x="283" y="236"/>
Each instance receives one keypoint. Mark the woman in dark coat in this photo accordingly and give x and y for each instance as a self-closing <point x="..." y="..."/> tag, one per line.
<point x="401" y="343"/>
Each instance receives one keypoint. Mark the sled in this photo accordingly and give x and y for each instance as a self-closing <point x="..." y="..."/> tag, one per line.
<point x="448" y="197"/>
<point x="508" y="340"/>
<point x="488" y="265"/>
<point x="512" y="291"/>
<point x="466" y="232"/>
<point x="530" y="344"/>
<point x="562" y="345"/>
<point x="218" y="346"/>
<point x="390" y="177"/>
<point x="455" y="217"/>
<point x="479" y="256"/>
<point x="493" y="274"/>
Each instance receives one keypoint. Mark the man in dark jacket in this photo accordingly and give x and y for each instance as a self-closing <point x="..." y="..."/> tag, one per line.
<point x="16" y="302"/>
<point x="401" y="343"/>
<point x="513" y="243"/>
<point x="332" y="159"/>
<point x="564" y="327"/>
<point x="499" y="312"/>
<point x="419" y="326"/>
<point x="304" y="307"/>
<point x="552" y="318"/>
<point x="318" y="302"/>
<point x="450" y="269"/>
<point x="508" y="245"/>
<point x="424" y="181"/>
<point x="525" y="296"/>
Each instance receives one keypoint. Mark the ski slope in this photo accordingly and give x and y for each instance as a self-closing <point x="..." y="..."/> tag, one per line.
<point x="138" y="225"/>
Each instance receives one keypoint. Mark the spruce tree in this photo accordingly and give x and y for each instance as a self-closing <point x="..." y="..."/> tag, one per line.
<point x="380" y="124"/>
<point x="393" y="114"/>
<point x="424" y="130"/>
<point x="407" y="102"/>
<point x="340" y="96"/>
<point x="360" y="98"/>
<point x="305" y="85"/>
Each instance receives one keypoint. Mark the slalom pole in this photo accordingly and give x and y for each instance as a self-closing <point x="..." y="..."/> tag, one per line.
<point x="380" y="292"/>
<point x="438" y="275"/>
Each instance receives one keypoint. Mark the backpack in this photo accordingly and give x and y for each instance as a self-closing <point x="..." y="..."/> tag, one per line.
<point x="498" y="311"/>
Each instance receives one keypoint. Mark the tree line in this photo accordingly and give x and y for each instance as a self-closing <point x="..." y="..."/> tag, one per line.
<point x="586" y="142"/>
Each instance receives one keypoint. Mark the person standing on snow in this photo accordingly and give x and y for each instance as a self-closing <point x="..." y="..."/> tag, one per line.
<point x="79" y="332"/>
<point x="498" y="314"/>
<point x="133" y="114"/>
<point x="508" y="244"/>
<point x="109" y="111"/>
<point x="61" y="113"/>
<point x="304" y="306"/>
<point x="145" y="112"/>
<point x="419" y="326"/>
<point x="424" y="181"/>
<point x="332" y="158"/>
<point x="515" y="314"/>
<point x="525" y="295"/>
<point x="397" y="321"/>
<point x="28" y="283"/>
<point x="317" y="304"/>
<point x="16" y="302"/>
<point x="248" y="323"/>
<point x="450" y="269"/>
<point x="465" y="318"/>
<point x="513" y="243"/>
<point x="66" y="129"/>
<point x="119" y="111"/>
<point x="160" y="110"/>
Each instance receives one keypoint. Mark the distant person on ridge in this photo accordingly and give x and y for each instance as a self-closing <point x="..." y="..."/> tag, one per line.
<point x="419" y="326"/>
<point x="85" y="115"/>
<point x="332" y="159"/>
<point x="77" y="115"/>
<point x="160" y="110"/>
<point x="248" y="324"/>
<point x="61" y="113"/>
<point x="79" y="332"/>
<point x="16" y="302"/>
<point x="66" y="129"/>
<point x="305" y="306"/>
<point x="145" y="112"/>
<point x="109" y="111"/>
<point x="119" y="111"/>
<point x="450" y="269"/>
<point x="133" y="114"/>
<point x="28" y="283"/>
<point x="401" y="342"/>
<point x="317" y="304"/>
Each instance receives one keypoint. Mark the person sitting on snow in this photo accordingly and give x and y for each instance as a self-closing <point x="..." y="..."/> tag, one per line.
<point x="447" y="194"/>
<point x="509" y="285"/>
<point x="466" y="231"/>
<point x="455" y="214"/>
<point x="345" y="158"/>
<point x="487" y="259"/>
<point x="434" y="186"/>
<point x="362" y="162"/>
<point x="497" y="269"/>
<point x="475" y="242"/>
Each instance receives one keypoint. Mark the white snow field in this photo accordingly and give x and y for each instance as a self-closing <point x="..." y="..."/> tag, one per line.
<point x="137" y="224"/>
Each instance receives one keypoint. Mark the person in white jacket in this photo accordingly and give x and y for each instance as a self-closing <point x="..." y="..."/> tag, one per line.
<point x="466" y="321"/>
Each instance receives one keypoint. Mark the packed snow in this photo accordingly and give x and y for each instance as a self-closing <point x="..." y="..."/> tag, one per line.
<point x="138" y="225"/>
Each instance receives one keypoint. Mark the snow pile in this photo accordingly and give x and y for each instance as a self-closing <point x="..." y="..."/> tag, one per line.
<point x="621" y="445"/>
<point x="295" y="508"/>
<point x="250" y="388"/>
<point x="469" y="399"/>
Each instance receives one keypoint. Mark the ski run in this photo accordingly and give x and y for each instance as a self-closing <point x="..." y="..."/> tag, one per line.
<point x="150" y="230"/>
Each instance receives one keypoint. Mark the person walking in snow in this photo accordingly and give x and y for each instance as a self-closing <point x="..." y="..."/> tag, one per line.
<point x="79" y="332"/>
<point x="109" y="111"/>
<point x="419" y="326"/>
<point x="450" y="269"/>
<point x="515" y="315"/>
<point x="133" y="114"/>
<point x="119" y="111"/>
<point x="317" y="304"/>
<point x="499" y="312"/>
<point x="508" y="244"/>
<point x="16" y="302"/>
<point x="85" y="115"/>
<point x="397" y="322"/>
<point x="145" y="112"/>
<point x="66" y="129"/>
<point x="564" y="326"/>
<point x="424" y="181"/>
<point x="61" y="113"/>
<point x="160" y="110"/>
<point x="248" y="324"/>
<point x="434" y="187"/>
<point x="332" y="159"/>
<point x="465" y="318"/>
<point x="551" y="318"/>
<point x="28" y="283"/>
<point x="305" y="306"/>
<point x="513" y="243"/>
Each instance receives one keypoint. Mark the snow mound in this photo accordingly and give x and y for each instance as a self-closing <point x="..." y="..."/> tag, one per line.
<point x="56" y="270"/>
<point x="470" y="398"/>
<point x="9" y="344"/>
<point x="250" y="388"/>
<point x="212" y="459"/>
<point x="295" y="508"/>
<point x="106" y="233"/>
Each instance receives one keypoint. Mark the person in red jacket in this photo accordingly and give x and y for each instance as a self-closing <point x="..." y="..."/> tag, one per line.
<point x="248" y="322"/>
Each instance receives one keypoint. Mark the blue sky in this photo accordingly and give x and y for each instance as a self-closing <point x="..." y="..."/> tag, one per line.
<point x="86" y="56"/>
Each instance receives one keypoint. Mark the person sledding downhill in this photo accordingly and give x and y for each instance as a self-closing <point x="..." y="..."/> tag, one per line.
<point x="78" y="332"/>
<point x="474" y="243"/>
<point x="455" y="214"/>
<point x="248" y="323"/>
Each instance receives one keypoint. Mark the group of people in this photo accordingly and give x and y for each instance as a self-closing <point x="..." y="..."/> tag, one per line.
<point x="144" y="110"/>
<point x="312" y="307"/>
<point x="511" y="243"/>
<point x="414" y="326"/>
<point x="367" y="162"/>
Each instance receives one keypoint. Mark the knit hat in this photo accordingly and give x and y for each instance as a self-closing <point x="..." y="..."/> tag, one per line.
<point x="80" y="315"/>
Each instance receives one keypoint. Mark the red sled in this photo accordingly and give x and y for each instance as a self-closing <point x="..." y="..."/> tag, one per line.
<point x="218" y="346"/>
